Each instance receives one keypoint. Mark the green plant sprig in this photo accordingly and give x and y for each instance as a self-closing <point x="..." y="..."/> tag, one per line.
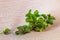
<point x="36" y="21"/>
<point x="6" y="31"/>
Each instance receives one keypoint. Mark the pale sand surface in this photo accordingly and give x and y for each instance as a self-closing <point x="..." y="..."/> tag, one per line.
<point x="12" y="14"/>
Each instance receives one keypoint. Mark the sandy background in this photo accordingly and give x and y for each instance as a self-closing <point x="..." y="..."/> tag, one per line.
<point x="12" y="14"/>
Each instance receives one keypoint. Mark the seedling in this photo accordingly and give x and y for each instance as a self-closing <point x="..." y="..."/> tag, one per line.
<point x="36" y="21"/>
<point x="6" y="31"/>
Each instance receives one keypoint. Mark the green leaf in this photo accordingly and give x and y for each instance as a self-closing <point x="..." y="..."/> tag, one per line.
<point x="29" y="20"/>
<point x="51" y="17"/>
<point x="29" y="14"/>
<point x="45" y="25"/>
<point x="17" y="32"/>
<point x="24" y="29"/>
<point x="27" y="28"/>
<point x="6" y="31"/>
<point x="39" y="29"/>
<point x="44" y="15"/>
<point x="42" y="23"/>
<point x="50" y="21"/>
<point x="40" y="20"/>
<point x="36" y="13"/>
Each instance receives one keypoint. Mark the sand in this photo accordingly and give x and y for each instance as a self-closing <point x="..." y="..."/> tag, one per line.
<point x="12" y="14"/>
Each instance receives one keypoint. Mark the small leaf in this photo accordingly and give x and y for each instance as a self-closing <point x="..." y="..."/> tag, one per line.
<point x="29" y="14"/>
<point x="36" y="13"/>
<point x="51" y="17"/>
<point x="39" y="29"/>
<point x="44" y="15"/>
<point x="17" y="32"/>
<point x="6" y="31"/>
<point x="50" y="21"/>
<point x="29" y="20"/>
